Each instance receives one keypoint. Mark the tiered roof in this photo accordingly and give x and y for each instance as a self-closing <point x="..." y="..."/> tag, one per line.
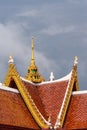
<point x="38" y="104"/>
<point x="13" y="111"/>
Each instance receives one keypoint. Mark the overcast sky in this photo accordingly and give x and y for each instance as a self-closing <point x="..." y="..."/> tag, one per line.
<point x="59" y="28"/>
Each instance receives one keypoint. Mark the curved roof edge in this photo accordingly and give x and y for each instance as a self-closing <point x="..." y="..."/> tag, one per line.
<point x="8" y="88"/>
<point x="79" y="92"/>
<point x="67" y="77"/>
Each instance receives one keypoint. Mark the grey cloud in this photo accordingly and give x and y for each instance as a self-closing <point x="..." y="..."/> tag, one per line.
<point x="54" y="30"/>
<point x="12" y="42"/>
<point x="60" y="30"/>
<point x="29" y="13"/>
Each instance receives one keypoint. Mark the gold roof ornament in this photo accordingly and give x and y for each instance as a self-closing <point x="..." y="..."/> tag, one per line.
<point x="13" y="76"/>
<point x="51" y="76"/>
<point x="33" y="74"/>
<point x="11" y="60"/>
<point x="32" y="58"/>
<point x="75" y="60"/>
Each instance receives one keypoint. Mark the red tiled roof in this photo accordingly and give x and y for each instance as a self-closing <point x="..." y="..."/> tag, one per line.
<point x="9" y="127"/>
<point x="48" y="98"/>
<point x="76" y="117"/>
<point x="14" y="112"/>
<point x="52" y="95"/>
<point x="33" y="91"/>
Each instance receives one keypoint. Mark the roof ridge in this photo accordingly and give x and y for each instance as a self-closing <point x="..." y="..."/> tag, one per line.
<point x="59" y="120"/>
<point x="79" y="92"/>
<point x="38" y="117"/>
<point x="66" y="77"/>
<point x="31" y="105"/>
<point x="8" y="89"/>
<point x="62" y="113"/>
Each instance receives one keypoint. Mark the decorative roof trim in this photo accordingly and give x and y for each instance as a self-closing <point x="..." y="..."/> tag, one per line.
<point x="58" y="122"/>
<point x="28" y="81"/>
<point x="65" y="78"/>
<point x="79" y="92"/>
<point x="8" y="88"/>
<point x="68" y="93"/>
<point x="38" y="117"/>
<point x="11" y="60"/>
<point x="41" y="121"/>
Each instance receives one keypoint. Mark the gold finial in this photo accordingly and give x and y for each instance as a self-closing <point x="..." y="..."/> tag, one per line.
<point x="32" y="57"/>
<point x="76" y="60"/>
<point x="11" y="60"/>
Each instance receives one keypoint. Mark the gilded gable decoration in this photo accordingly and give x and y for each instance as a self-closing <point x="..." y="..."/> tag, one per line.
<point x="33" y="72"/>
<point x="44" y="104"/>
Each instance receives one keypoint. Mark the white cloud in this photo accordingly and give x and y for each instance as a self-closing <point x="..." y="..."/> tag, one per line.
<point x="51" y="19"/>
<point x="29" y="13"/>
<point x="10" y="39"/>
<point x="12" y="42"/>
<point x="54" y="30"/>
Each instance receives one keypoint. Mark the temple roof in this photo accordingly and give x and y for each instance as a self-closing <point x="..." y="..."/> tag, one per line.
<point x="52" y="96"/>
<point x="42" y="98"/>
<point x="33" y="103"/>
<point x="48" y="92"/>
<point x="76" y="117"/>
<point x="13" y="111"/>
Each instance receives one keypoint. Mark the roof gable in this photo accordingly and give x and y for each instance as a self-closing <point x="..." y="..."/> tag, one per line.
<point x="13" y="77"/>
<point x="44" y="97"/>
<point x="72" y="84"/>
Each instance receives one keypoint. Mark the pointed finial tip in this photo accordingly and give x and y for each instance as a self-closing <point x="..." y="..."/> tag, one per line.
<point x="51" y="76"/>
<point x="11" y="60"/>
<point x="75" y="60"/>
<point x="32" y="42"/>
<point x="32" y="39"/>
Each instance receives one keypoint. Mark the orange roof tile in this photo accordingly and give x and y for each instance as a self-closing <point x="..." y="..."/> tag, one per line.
<point x="76" y="117"/>
<point x="52" y="95"/>
<point x="9" y="127"/>
<point x="14" y="112"/>
<point x="33" y="91"/>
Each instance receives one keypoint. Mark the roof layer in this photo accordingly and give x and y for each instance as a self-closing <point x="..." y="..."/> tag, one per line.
<point x="76" y="117"/>
<point x="52" y="96"/>
<point x="33" y="91"/>
<point x="9" y="127"/>
<point x="13" y="111"/>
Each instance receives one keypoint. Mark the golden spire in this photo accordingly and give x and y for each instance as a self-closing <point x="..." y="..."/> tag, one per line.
<point x="33" y="74"/>
<point x="32" y="58"/>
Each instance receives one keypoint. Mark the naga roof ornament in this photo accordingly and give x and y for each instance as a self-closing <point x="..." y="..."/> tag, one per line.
<point x="76" y="60"/>
<point x="11" y="60"/>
